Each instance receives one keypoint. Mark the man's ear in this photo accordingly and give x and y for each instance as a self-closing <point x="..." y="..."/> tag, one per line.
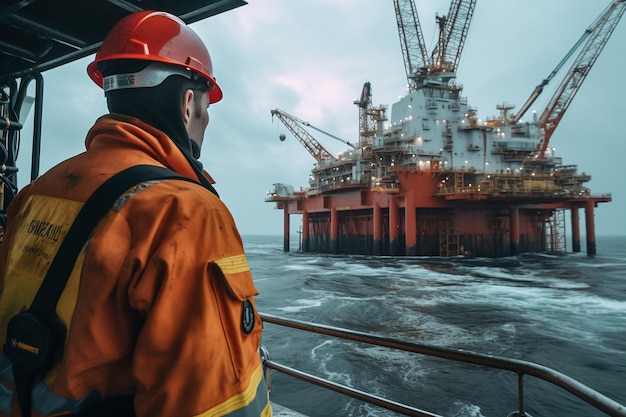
<point x="187" y="104"/>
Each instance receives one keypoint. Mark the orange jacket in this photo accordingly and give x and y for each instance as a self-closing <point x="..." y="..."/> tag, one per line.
<point x="154" y="306"/>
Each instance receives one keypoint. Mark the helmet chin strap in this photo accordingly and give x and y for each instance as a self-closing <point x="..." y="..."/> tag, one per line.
<point x="151" y="76"/>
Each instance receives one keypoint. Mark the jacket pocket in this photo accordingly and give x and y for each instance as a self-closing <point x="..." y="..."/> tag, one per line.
<point x="237" y="275"/>
<point x="241" y="324"/>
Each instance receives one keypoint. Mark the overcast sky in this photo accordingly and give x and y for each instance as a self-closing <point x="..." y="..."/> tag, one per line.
<point x="311" y="58"/>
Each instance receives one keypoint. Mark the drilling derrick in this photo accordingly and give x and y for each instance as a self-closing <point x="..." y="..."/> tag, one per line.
<point x="370" y="118"/>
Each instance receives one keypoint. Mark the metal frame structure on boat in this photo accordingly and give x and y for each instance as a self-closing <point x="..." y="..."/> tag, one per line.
<point x="519" y="367"/>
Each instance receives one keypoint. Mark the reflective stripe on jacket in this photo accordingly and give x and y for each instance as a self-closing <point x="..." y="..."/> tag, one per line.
<point x="160" y="304"/>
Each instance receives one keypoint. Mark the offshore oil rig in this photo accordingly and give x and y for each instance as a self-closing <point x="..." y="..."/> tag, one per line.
<point x="435" y="180"/>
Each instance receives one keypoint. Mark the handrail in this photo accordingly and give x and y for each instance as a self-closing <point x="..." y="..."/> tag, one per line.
<point x="520" y="367"/>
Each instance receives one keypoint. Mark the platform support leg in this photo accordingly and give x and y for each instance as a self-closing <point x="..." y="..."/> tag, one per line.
<point x="590" y="227"/>
<point x="305" y="231"/>
<point x="410" y="226"/>
<point x="514" y="219"/>
<point x="575" y="230"/>
<point x="334" y="231"/>
<point x="377" y="219"/>
<point x="394" y="227"/>
<point x="285" y="230"/>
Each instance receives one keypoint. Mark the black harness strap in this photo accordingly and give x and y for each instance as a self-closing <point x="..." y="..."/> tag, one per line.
<point x="94" y="209"/>
<point x="36" y="337"/>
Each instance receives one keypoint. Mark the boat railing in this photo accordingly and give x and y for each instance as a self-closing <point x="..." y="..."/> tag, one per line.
<point x="519" y="367"/>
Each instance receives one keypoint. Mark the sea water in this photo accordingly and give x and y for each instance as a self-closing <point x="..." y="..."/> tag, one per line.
<point x="567" y="312"/>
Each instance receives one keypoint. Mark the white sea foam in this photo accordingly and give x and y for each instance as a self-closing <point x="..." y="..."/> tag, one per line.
<point x="467" y="410"/>
<point x="301" y="304"/>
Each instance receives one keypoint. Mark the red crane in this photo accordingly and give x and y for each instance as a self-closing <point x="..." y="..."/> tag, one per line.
<point x="597" y="36"/>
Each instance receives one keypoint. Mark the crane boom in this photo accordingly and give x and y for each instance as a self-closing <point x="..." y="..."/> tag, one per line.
<point x="456" y="25"/>
<point x="306" y="139"/>
<point x="294" y="124"/>
<point x="412" y="44"/>
<point x="600" y="32"/>
<point x="539" y="89"/>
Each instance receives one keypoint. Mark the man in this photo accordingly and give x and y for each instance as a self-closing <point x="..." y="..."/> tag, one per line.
<point x="159" y="308"/>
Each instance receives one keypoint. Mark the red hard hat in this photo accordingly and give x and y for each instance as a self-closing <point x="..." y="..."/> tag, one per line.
<point x="157" y="37"/>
